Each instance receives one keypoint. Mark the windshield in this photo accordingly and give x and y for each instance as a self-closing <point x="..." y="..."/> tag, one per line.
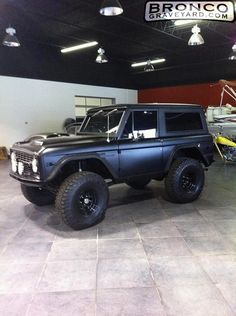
<point x="102" y="122"/>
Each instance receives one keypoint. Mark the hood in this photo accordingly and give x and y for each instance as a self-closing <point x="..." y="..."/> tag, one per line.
<point x="71" y="140"/>
<point x="35" y="143"/>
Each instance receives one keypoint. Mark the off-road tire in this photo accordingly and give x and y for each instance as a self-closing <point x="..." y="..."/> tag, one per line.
<point x="82" y="200"/>
<point x="37" y="196"/>
<point x="185" y="180"/>
<point x="138" y="183"/>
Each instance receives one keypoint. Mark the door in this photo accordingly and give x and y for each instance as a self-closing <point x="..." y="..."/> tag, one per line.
<point x="140" y="149"/>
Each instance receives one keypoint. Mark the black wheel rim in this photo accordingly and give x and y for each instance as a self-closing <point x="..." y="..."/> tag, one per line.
<point x="88" y="203"/>
<point x="189" y="182"/>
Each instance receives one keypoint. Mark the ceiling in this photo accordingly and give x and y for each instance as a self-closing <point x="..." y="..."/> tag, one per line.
<point x="44" y="27"/>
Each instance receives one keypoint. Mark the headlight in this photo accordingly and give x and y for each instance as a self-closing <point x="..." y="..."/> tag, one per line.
<point x="21" y="168"/>
<point x="13" y="162"/>
<point x="35" y="165"/>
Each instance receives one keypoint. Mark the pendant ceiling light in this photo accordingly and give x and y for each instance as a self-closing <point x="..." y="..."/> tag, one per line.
<point x="149" y="67"/>
<point x="196" y="38"/>
<point x="144" y="63"/>
<point x="10" y="39"/>
<point x="101" y="58"/>
<point x="233" y="54"/>
<point x="111" y="8"/>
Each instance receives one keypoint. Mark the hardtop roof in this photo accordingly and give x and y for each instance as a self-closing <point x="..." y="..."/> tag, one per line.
<point x="143" y="105"/>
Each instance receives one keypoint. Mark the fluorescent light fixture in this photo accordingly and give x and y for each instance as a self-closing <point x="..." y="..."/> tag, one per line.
<point x="78" y="47"/>
<point x="184" y="22"/>
<point x="144" y="63"/>
<point x="196" y="39"/>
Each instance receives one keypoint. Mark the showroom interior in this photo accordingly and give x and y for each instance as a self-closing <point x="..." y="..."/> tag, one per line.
<point x="148" y="256"/>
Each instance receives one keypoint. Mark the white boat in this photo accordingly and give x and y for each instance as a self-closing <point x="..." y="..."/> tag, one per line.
<point x="225" y="118"/>
<point x="222" y="119"/>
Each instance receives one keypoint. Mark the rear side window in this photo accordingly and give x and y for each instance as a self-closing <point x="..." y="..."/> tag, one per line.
<point x="183" y="121"/>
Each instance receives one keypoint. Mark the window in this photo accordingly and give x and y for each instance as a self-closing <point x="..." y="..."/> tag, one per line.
<point x="84" y="103"/>
<point x="102" y="122"/>
<point x="179" y="121"/>
<point x="141" y="124"/>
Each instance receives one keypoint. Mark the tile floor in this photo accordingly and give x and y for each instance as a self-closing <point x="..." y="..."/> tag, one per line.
<point x="148" y="257"/>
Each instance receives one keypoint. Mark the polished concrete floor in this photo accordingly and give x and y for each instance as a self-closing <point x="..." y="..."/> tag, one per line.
<point x="148" y="257"/>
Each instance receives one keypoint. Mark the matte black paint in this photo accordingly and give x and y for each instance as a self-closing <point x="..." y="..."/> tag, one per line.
<point x="124" y="158"/>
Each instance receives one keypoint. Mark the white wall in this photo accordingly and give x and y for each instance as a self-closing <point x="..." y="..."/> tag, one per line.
<point x="30" y="106"/>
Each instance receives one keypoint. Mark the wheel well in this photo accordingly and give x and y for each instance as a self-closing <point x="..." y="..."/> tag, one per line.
<point x="93" y="165"/>
<point x="96" y="166"/>
<point x="190" y="153"/>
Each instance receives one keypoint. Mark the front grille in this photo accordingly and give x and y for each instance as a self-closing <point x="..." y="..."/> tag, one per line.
<point x="23" y="157"/>
<point x="28" y="170"/>
<point x="26" y="159"/>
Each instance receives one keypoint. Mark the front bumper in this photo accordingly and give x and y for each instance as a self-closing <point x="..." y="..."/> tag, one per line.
<point x="27" y="181"/>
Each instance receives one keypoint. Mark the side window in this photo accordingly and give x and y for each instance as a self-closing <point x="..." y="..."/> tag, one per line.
<point x="141" y="124"/>
<point x="179" y="121"/>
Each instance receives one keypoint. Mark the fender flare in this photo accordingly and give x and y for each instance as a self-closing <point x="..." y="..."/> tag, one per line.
<point x="179" y="148"/>
<point x="62" y="162"/>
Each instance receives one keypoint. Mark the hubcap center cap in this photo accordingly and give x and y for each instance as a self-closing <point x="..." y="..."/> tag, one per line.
<point x="86" y="201"/>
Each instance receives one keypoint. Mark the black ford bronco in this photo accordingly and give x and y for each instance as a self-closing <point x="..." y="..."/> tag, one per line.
<point x="119" y="143"/>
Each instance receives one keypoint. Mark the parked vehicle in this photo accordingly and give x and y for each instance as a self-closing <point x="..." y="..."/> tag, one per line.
<point x="222" y="118"/>
<point x="120" y="143"/>
<point x="226" y="147"/>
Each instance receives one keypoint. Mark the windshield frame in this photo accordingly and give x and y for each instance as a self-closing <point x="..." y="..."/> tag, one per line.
<point x="107" y="111"/>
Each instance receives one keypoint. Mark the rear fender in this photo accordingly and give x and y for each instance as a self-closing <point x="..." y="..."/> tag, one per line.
<point x="190" y="152"/>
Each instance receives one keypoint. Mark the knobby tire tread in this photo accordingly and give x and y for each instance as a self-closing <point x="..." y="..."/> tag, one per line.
<point x="62" y="203"/>
<point x="173" y="175"/>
